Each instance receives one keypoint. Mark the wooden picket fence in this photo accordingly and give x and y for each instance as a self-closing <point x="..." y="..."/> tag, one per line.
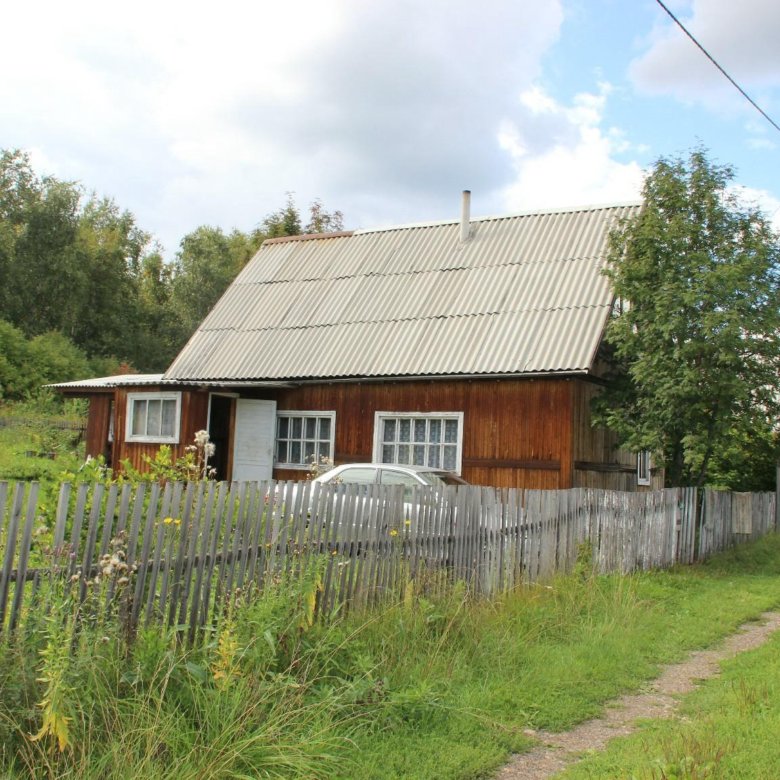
<point x="176" y="554"/>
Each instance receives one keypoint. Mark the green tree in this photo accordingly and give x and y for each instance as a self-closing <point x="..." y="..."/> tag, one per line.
<point x="110" y="248"/>
<point x="38" y="225"/>
<point x="696" y="327"/>
<point x="323" y="221"/>
<point x="206" y="264"/>
<point x="285" y="222"/>
<point x="28" y="364"/>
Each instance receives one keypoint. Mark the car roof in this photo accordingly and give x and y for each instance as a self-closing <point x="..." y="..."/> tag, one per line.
<point x="399" y="466"/>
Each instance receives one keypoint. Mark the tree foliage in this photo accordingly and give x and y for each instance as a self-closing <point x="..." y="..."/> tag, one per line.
<point x="696" y="329"/>
<point x="28" y="364"/>
<point x="81" y="281"/>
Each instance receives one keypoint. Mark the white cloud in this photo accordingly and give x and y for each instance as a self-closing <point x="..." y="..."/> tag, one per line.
<point x="741" y="36"/>
<point x="190" y="114"/>
<point x="763" y="200"/>
<point x="563" y="157"/>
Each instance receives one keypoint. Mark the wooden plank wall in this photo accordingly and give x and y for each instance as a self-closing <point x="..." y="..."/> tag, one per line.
<point x="98" y="422"/>
<point x="522" y="433"/>
<point x="194" y="417"/>
<point x="516" y="432"/>
<point x="598" y="461"/>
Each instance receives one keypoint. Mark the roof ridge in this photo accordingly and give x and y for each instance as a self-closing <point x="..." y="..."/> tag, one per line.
<point x="308" y="237"/>
<point x="498" y="217"/>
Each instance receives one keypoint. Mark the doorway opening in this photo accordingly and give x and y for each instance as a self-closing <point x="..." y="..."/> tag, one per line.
<point x="220" y="415"/>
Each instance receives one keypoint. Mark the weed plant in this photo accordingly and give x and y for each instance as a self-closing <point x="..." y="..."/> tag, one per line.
<point x="430" y="687"/>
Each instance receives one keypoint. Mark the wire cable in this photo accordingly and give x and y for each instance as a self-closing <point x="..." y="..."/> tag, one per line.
<point x="715" y="63"/>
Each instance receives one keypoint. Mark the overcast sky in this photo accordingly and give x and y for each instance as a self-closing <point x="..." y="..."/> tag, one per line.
<point x="196" y="113"/>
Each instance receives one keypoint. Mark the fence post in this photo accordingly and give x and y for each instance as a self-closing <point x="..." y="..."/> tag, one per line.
<point x="777" y="497"/>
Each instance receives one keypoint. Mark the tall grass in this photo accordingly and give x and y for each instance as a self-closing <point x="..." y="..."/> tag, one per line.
<point x="425" y="688"/>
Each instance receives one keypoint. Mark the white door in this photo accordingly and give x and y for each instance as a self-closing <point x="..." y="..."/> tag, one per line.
<point x="253" y="448"/>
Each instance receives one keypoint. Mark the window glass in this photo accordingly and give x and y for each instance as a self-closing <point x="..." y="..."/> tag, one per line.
<point x="451" y="431"/>
<point x="168" y="424"/>
<point x="390" y="477"/>
<point x="643" y="468"/>
<point x="153" y="417"/>
<point x="419" y="439"/>
<point x="281" y="451"/>
<point x="303" y="438"/>
<point x="139" y="418"/>
<point x="450" y="461"/>
<point x="355" y="476"/>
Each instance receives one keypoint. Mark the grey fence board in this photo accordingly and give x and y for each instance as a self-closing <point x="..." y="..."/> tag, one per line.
<point x="361" y="546"/>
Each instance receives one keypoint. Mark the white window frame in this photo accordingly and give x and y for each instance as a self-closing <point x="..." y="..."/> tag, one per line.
<point x="380" y="417"/>
<point x="643" y="466"/>
<point x="331" y="415"/>
<point x="145" y="438"/>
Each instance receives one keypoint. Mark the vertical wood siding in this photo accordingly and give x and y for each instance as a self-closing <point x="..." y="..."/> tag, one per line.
<point x="598" y="461"/>
<point x="98" y="421"/>
<point x="516" y="432"/>
<point x="194" y="417"/>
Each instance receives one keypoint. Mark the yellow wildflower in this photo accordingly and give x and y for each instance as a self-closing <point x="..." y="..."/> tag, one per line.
<point x="394" y="532"/>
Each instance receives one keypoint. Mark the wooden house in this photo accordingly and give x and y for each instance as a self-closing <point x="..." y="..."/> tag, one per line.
<point x="472" y="345"/>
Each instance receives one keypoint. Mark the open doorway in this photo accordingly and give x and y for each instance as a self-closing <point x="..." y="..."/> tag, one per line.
<point x="220" y="415"/>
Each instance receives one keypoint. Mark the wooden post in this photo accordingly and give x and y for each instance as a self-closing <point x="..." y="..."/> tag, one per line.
<point x="777" y="498"/>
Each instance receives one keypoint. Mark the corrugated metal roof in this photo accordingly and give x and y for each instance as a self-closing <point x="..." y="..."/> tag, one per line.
<point x="108" y="382"/>
<point x="524" y="294"/>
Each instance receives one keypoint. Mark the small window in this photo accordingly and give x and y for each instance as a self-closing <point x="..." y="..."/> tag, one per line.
<point x="433" y="439"/>
<point x="643" y="467"/>
<point x="303" y="438"/>
<point x="153" y="417"/>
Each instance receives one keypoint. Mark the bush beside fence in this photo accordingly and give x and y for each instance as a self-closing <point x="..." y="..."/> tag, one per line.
<point x="176" y="554"/>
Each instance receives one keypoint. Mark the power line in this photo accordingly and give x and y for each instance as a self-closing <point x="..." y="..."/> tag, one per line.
<point x="715" y="63"/>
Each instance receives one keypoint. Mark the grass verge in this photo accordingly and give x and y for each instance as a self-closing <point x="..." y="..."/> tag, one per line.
<point x="423" y="689"/>
<point x="726" y="729"/>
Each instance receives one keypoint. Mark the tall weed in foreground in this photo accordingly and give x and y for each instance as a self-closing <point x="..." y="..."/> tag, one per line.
<point x="431" y="686"/>
<point x="248" y="701"/>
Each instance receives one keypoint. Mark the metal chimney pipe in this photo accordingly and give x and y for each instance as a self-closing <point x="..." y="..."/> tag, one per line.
<point x="465" y="215"/>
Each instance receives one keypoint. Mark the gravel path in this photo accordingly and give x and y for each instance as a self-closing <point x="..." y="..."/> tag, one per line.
<point x="556" y="751"/>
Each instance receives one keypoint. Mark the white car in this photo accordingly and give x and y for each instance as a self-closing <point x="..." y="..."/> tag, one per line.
<point x="365" y="475"/>
<point x="389" y="474"/>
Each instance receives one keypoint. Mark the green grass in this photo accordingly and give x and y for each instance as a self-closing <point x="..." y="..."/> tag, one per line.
<point x="32" y="448"/>
<point x="427" y="689"/>
<point x="726" y="729"/>
<point x="551" y="658"/>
